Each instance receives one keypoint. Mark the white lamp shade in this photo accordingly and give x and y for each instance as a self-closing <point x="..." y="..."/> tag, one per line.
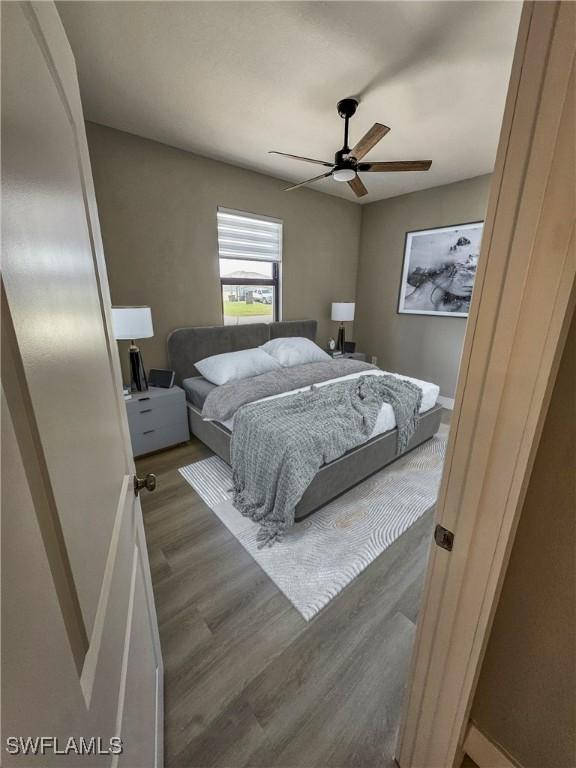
<point x="343" y="311"/>
<point x="132" y="322"/>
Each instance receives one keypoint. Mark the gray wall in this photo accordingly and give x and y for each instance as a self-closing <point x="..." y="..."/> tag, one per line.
<point x="425" y="347"/>
<point x="157" y="208"/>
<point x="525" y="697"/>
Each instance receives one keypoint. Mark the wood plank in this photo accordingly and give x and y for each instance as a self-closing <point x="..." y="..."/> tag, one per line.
<point x="247" y="680"/>
<point x="367" y="691"/>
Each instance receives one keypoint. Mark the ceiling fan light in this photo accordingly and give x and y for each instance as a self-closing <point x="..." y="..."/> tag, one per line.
<point x="344" y="174"/>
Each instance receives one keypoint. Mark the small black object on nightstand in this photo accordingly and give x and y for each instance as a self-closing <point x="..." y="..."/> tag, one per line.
<point x="161" y="377"/>
<point x="337" y="355"/>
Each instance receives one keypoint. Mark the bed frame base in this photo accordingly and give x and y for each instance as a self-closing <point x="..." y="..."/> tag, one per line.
<point x="339" y="475"/>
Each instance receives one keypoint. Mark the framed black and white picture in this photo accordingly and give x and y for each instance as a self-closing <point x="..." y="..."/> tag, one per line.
<point x="439" y="270"/>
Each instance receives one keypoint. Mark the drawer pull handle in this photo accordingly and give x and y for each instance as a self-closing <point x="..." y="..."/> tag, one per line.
<point x="146" y="410"/>
<point x="148" y="431"/>
<point x="140" y="399"/>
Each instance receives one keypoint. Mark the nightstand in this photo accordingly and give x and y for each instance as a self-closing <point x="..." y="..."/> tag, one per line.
<point x="350" y="356"/>
<point x="157" y="419"/>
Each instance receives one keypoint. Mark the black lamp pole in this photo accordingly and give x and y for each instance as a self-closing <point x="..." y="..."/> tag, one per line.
<point x="139" y="382"/>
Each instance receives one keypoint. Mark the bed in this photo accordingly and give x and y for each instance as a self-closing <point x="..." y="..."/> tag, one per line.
<point x="187" y="346"/>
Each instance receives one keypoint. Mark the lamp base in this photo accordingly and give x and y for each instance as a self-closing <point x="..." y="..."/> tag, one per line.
<point x="138" y="380"/>
<point x="341" y="338"/>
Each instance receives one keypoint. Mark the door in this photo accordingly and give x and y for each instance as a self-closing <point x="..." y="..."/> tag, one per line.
<point x="81" y="662"/>
<point x="523" y="302"/>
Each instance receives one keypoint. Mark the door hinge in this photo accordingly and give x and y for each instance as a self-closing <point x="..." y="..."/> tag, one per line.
<point x="444" y="538"/>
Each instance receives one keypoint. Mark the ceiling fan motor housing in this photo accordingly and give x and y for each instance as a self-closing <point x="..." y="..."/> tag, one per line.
<point x="342" y="159"/>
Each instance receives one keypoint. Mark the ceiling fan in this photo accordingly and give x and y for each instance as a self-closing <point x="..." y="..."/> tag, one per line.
<point x="347" y="165"/>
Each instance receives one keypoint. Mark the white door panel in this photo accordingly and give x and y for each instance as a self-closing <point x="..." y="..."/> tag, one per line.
<point x="140" y="733"/>
<point x="53" y="295"/>
<point x="81" y="654"/>
<point x="38" y="664"/>
<point x="103" y="661"/>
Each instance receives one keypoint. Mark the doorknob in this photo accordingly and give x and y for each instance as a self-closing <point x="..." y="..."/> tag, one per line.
<point x="148" y="482"/>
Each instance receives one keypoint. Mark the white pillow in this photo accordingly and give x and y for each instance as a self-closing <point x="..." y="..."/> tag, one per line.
<point x="294" y="350"/>
<point x="220" y="369"/>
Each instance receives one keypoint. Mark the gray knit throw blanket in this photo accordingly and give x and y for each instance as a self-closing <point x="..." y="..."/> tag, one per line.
<point x="278" y="445"/>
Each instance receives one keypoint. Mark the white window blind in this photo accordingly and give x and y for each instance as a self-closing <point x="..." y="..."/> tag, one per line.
<point x="244" y="236"/>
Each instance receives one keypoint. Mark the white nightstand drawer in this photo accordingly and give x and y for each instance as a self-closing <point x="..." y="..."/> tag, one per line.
<point x="155" y="397"/>
<point x="151" y="415"/>
<point x="154" y="439"/>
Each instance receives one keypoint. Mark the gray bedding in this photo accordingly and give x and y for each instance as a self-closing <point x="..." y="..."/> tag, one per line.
<point x="278" y="445"/>
<point x="222" y="402"/>
<point x="197" y="389"/>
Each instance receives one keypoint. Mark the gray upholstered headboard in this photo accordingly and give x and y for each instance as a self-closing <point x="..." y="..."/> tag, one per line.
<point x="188" y="345"/>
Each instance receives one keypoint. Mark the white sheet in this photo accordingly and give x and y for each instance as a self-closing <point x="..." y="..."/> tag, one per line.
<point x="386" y="419"/>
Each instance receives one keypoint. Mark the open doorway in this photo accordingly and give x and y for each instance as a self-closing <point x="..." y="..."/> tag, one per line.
<point x="280" y="655"/>
<point x="298" y="653"/>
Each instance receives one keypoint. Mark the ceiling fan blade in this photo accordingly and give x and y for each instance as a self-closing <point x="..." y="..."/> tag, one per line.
<point x="298" y="157"/>
<point x="396" y="165"/>
<point x="308" y="181"/>
<point x="369" y="140"/>
<point x="358" y="186"/>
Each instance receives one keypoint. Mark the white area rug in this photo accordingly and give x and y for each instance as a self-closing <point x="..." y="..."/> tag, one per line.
<point x="325" y="552"/>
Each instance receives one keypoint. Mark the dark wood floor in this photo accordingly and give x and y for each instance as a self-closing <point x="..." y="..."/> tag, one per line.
<point x="248" y="682"/>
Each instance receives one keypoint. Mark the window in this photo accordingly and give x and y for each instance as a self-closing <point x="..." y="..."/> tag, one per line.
<point x="250" y="254"/>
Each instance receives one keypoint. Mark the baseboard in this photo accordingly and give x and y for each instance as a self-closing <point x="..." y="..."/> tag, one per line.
<point x="485" y="753"/>
<point x="446" y="402"/>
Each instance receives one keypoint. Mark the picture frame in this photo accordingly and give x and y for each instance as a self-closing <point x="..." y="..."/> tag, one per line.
<point x="439" y="270"/>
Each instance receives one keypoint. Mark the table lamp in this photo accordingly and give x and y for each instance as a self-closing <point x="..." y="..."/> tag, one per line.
<point x="342" y="312"/>
<point x="132" y="323"/>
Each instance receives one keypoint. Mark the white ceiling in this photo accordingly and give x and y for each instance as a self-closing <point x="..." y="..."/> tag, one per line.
<point x="232" y="80"/>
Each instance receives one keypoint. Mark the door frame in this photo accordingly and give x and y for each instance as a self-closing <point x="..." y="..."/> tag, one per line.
<point x="523" y="302"/>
